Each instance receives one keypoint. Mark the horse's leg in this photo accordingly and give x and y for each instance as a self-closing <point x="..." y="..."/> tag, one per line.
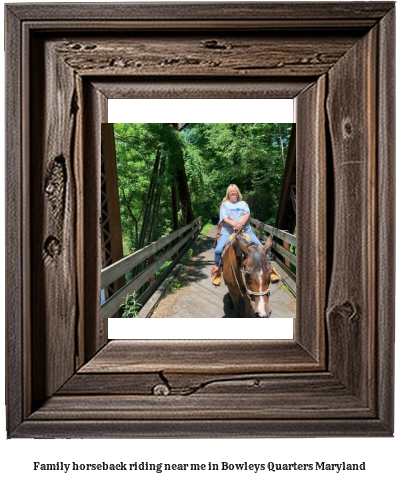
<point x="234" y="297"/>
<point x="248" y="308"/>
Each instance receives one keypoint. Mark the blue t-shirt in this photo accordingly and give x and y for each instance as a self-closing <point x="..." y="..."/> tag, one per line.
<point x="235" y="212"/>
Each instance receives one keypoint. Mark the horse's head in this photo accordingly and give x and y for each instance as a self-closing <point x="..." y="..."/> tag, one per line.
<point x="255" y="273"/>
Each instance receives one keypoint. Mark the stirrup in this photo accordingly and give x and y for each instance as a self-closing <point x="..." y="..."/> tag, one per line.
<point x="216" y="278"/>
<point x="274" y="277"/>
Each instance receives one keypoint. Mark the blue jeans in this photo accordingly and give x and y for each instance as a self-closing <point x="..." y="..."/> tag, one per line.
<point x="224" y="239"/>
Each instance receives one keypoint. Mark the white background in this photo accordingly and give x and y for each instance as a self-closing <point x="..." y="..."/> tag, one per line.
<point x="210" y="111"/>
<point x="17" y="456"/>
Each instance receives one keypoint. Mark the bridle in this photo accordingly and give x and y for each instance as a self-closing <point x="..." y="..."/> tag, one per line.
<point x="249" y="292"/>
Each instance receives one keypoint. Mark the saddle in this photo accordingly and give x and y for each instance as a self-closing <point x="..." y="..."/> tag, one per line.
<point x="217" y="277"/>
<point x="234" y="235"/>
<point x="274" y="276"/>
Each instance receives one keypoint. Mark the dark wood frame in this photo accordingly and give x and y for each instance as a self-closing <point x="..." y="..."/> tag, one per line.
<point x="336" y="376"/>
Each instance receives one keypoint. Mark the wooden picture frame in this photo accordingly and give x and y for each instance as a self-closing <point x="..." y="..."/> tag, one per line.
<point x="335" y="378"/>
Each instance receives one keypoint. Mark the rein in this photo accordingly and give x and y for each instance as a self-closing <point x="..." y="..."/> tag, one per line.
<point x="235" y="277"/>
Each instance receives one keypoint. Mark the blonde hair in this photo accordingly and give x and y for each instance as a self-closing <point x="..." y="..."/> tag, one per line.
<point x="232" y="186"/>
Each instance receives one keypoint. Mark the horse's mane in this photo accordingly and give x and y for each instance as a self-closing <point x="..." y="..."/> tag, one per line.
<point x="256" y="255"/>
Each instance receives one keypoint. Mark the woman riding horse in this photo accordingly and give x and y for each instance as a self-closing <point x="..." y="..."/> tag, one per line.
<point x="234" y="212"/>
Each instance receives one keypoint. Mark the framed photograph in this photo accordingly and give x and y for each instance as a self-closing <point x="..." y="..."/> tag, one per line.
<point x="65" y="379"/>
<point x="146" y="168"/>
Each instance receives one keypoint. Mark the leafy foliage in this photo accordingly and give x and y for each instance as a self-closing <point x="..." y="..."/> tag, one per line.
<point x="131" y="306"/>
<point x="137" y="146"/>
<point x="252" y="156"/>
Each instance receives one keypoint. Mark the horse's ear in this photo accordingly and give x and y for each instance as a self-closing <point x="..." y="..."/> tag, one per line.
<point x="268" y="245"/>
<point x="242" y="244"/>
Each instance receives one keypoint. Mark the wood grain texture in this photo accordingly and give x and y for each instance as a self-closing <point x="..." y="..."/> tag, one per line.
<point x="351" y="109"/>
<point x="174" y="87"/>
<point x="186" y="383"/>
<point x="385" y="224"/>
<point x="15" y="207"/>
<point x="256" y="397"/>
<point x="243" y="55"/>
<point x="94" y="112"/>
<point x="311" y="218"/>
<point x="53" y="206"/>
<point x="203" y="407"/>
<point x="137" y="384"/>
<point x="200" y="356"/>
<point x="191" y="428"/>
<point x="79" y="171"/>
<point x="208" y="11"/>
<point x="295" y="388"/>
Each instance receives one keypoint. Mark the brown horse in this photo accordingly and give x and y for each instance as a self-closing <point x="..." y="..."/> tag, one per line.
<point x="246" y="271"/>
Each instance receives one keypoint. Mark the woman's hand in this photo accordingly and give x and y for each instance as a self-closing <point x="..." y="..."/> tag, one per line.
<point x="238" y="226"/>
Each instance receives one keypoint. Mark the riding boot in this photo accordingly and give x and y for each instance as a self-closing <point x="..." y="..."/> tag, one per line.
<point x="274" y="277"/>
<point x="216" y="276"/>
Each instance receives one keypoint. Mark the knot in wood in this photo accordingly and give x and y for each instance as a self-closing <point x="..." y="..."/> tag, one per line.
<point x="161" y="390"/>
<point x="213" y="44"/>
<point x="54" y="188"/>
<point x="52" y="246"/>
<point x="347" y="128"/>
<point x="349" y="310"/>
<point x="50" y="188"/>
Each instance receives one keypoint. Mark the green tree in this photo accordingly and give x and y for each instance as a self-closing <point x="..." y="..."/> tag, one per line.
<point x="138" y="146"/>
<point x="249" y="155"/>
<point x="215" y="155"/>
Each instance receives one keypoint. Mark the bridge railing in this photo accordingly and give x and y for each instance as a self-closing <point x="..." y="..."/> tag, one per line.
<point x="284" y="246"/>
<point x="172" y="250"/>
